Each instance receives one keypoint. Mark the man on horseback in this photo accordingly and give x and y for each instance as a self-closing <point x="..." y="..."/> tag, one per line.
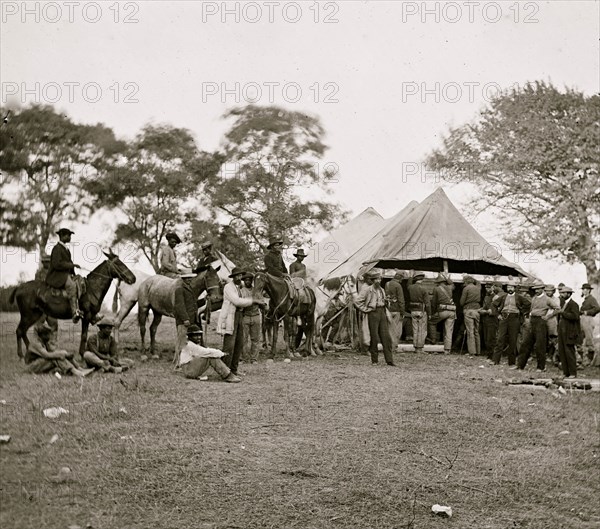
<point x="273" y="259"/>
<point x="168" y="258"/>
<point x="298" y="268"/>
<point x="62" y="269"/>
<point x="208" y="257"/>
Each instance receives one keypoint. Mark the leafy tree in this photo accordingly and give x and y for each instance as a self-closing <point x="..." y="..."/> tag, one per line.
<point x="534" y="154"/>
<point x="270" y="154"/>
<point x="45" y="161"/>
<point x="152" y="185"/>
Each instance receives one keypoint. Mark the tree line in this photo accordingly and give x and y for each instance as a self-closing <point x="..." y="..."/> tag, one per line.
<point x="533" y="152"/>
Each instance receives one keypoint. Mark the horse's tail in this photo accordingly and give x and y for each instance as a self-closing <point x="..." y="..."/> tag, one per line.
<point x="13" y="295"/>
<point x="115" y="303"/>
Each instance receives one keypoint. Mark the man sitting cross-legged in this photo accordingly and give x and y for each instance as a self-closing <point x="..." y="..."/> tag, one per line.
<point x="195" y="359"/>
<point x="101" y="349"/>
<point x="42" y="357"/>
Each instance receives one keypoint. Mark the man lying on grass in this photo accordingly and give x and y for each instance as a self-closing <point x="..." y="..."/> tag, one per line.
<point x="42" y="357"/>
<point x="194" y="359"/>
<point x="101" y="349"/>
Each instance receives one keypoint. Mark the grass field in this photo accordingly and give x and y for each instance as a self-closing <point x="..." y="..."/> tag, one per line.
<point x="324" y="442"/>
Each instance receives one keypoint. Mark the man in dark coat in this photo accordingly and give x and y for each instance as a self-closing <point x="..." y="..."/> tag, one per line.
<point x="208" y="256"/>
<point x="589" y="309"/>
<point x="273" y="259"/>
<point x="62" y="269"/>
<point x="469" y="300"/>
<point x="186" y="311"/>
<point x="396" y="306"/>
<point x="512" y="308"/>
<point x="489" y="318"/>
<point x="568" y="332"/>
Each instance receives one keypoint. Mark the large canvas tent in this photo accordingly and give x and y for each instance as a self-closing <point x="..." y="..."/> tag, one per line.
<point x="430" y="236"/>
<point x="342" y="243"/>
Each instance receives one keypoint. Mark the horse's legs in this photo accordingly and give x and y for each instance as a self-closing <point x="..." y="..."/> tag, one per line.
<point x="26" y="321"/>
<point x="142" y="316"/>
<point x="274" y="332"/>
<point x="121" y="315"/>
<point x="156" y="317"/>
<point x="85" y="324"/>
<point x="309" y="330"/>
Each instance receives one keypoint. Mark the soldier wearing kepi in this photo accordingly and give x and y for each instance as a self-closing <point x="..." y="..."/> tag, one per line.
<point x="420" y="309"/>
<point x="298" y="268"/>
<point x="168" y="257"/>
<point x="62" y="271"/>
<point x="589" y="309"/>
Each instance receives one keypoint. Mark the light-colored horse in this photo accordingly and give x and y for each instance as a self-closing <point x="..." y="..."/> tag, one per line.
<point x="157" y="293"/>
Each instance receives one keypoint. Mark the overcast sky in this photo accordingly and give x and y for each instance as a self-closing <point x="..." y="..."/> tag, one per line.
<point x="385" y="78"/>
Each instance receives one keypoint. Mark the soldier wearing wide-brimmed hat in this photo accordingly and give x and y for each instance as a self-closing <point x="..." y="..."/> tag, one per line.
<point x="511" y="307"/>
<point x="298" y="268"/>
<point x="589" y="309"/>
<point x="168" y="258"/>
<point x="569" y="330"/>
<point x="536" y="335"/>
<point x="371" y="301"/>
<point x="251" y="321"/>
<point x="273" y="259"/>
<point x="231" y="324"/>
<point x="489" y="317"/>
<point x="470" y="300"/>
<point x="101" y="349"/>
<point x="208" y="255"/>
<point x="62" y="269"/>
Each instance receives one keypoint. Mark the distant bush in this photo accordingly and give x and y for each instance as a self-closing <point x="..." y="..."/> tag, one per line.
<point x="5" y="304"/>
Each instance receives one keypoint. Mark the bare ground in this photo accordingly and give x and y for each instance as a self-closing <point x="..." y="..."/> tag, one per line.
<point x="325" y="442"/>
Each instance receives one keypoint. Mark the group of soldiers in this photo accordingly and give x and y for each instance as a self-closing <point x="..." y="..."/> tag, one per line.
<point x="515" y="319"/>
<point x="510" y="318"/>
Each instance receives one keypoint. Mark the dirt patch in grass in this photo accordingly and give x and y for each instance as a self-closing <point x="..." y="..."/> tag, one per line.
<point x="325" y="442"/>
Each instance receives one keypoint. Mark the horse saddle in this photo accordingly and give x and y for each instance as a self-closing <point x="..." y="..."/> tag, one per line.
<point x="301" y="294"/>
<point x="47" y="293"/>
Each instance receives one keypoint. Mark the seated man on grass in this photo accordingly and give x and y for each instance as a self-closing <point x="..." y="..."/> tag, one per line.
<point x="42" y="357"/>
<point x="194" y="359"/>
<point x="101" y="349"/>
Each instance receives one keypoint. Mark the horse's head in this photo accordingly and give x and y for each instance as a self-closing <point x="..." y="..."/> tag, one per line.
<point x="260" y="282"/>
<point x="117" y="269"/>
<point x="208" y="279"/>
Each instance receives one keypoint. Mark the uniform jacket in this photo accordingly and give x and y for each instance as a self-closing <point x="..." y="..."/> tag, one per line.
<point x="61" y="266"/>
<point x="471" y="296"/>
<point x="274" y="264"/>
<point x="232" y="300"/>
<point x="418" y="295"/>
<point x="589" y="306"/>
<point x="568" y="322"/>
<point x="186" y="303"/>
<point x="168" y="260"/>
<point x="107" y="348"/>
<point x="369" y="297"/>
<point x="442" y="295"/>
<point x="395" y="294"/>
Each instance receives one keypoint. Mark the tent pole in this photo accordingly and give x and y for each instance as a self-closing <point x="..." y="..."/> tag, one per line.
<point x="445" y="266"/>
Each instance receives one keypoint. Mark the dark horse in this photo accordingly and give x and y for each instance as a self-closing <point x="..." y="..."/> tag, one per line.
<point x="32" y="307"/>
<point x="286" y="307"/>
